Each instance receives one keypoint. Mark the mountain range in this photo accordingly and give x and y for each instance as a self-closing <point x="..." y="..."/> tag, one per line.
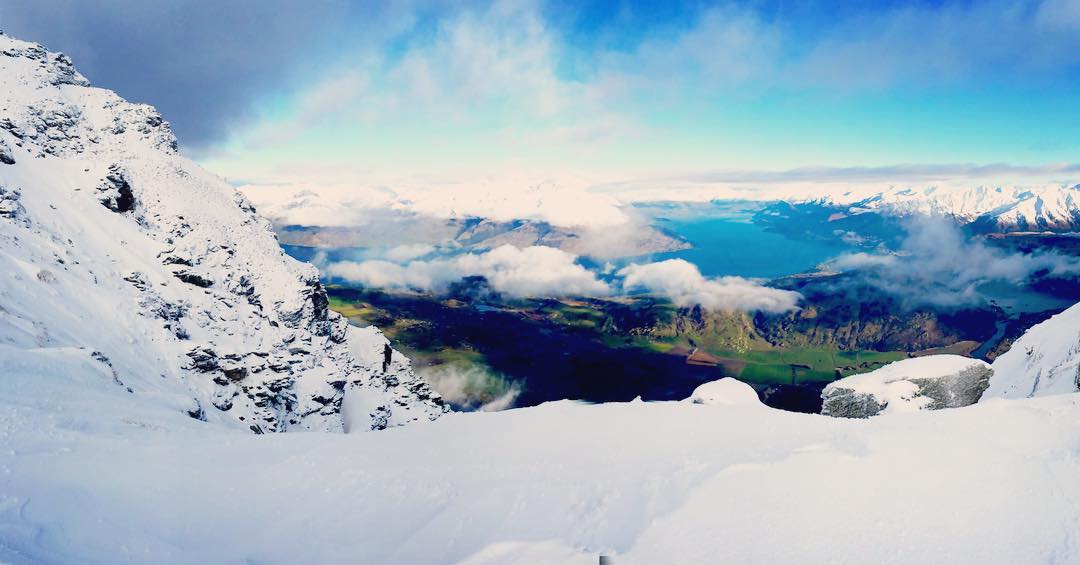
<point x="152" y="330"/>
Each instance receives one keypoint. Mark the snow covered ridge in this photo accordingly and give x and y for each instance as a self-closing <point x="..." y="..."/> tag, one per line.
<point x="1044" y="361"/>
<point x="116" y="252"/>
<point x="920" y="383"/>
<point x="572" y="202"/>
<point x="1046" y="207"/>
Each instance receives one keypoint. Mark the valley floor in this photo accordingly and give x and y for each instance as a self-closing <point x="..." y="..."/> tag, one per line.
<point x="91" y="474"/>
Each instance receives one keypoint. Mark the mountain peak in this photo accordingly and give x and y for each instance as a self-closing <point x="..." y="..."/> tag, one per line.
<point x="144" y="266"/>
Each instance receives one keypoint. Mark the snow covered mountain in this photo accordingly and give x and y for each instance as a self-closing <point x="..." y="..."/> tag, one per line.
<point x="122" y="260"/>
<point x="1044" y="361"/>
<point x="1046" y="207"/>
<point x="148" y="320"/>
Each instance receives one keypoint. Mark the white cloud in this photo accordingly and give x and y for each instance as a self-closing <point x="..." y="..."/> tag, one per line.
<point x="408" y="252"/>
<point x="682" y="283"/>
<point x="531" y="271"/>
<point x="562" y="201"/>
<point x="471" y="388"/>
<point x="937" y="264"/>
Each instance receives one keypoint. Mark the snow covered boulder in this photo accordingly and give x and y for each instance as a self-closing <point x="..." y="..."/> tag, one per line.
<point x="725" y="392"/>
<point x="920" y="383"/>
<point x="1044" y="361"/>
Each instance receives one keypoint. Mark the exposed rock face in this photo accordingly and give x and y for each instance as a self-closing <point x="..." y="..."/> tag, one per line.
<point x="166" y="270"/>
<point x="921" y="383"/>
<point x="115" y="191"/>
<point x="6" y="156"/>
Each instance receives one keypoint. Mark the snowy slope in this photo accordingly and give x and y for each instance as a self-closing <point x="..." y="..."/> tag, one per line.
<point x="1043" y="361"/>
<point x="92" y="475"/>
<point x="117" y="253"/>
<point x="138" y="294"/>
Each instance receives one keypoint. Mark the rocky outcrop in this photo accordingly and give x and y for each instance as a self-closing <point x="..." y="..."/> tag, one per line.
<point x="920" y="383"/>
<point x="167" y="271"/>
<point x="114" y="192"/>
<point x="6" y="156"/>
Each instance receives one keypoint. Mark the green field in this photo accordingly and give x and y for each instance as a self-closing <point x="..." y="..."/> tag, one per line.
<point x="798" y="365"/>
<point x="418" y="325"/>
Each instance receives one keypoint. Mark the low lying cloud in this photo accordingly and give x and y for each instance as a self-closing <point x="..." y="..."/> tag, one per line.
<point x="529" y="271"/>
<point x="937" y="264"/>
<point x="471" y="388"/>
<point x="683" y="284"/>
<point x="408" y="252"/>
<point x="539" y="271"/>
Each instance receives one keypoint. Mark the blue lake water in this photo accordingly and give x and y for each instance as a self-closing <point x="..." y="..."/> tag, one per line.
<point x="732" y="245"/>
<point x="725" y="242"/>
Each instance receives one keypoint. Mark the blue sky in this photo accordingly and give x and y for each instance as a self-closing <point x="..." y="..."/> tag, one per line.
<point x="275" y="90"/>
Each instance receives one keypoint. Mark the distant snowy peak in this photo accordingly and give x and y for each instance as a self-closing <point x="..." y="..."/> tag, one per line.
<point x="1043" y="361"/>
<point x="1049" y="207"/>
<point x="163" y="275"/>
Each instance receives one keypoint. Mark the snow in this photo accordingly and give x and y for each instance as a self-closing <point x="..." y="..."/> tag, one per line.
<point x="112" y="448"/>
<point x="899" y="386"/>
<point x="725" y="392"/>
<point x="583" y="202"/>
<point x="187" y="268"/>
<point x="1043" y="361"/>
<point x="94" y="474"/>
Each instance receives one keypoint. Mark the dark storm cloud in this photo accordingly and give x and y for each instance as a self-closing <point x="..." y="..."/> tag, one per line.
<point x="200" y="62"/>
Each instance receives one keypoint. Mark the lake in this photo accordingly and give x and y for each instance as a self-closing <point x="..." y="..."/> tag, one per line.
<point x="726" y="242"/>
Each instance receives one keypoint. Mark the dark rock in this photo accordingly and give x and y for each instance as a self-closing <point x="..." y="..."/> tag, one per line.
<point x="137" y="280"/>
<point x="193" y="278"/>
<point x="10" y="206"/>
<point x="176" y="260"/>
<point x="235" y="373"/>
<point x="6" y="156"/>
<point x="204" y="359"/>
<point x="197" y="412"/>
<point x="115" y="191"/>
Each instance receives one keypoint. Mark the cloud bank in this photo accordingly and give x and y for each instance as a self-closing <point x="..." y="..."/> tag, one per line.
<point x="682" y="283"/>
<point x="525" y="272"/>
<point x="937" y="264"/>
<point x="471" y="388"/>
<point x="538" y="271"/>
